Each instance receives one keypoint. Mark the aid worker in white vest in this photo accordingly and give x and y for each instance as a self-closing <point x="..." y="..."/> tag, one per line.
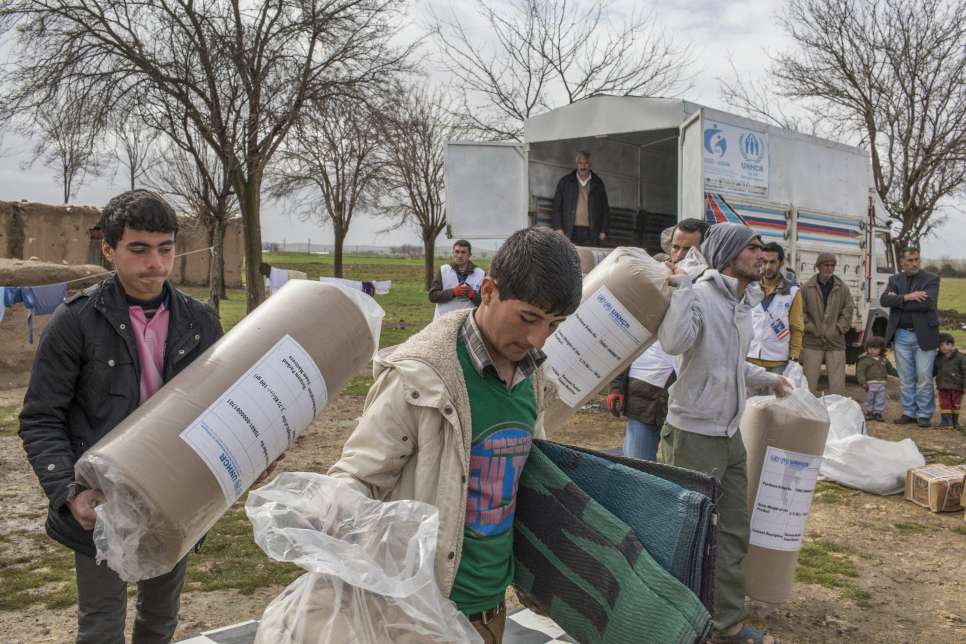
<point x="457" y="284"/>
<point x="779" y="320"/>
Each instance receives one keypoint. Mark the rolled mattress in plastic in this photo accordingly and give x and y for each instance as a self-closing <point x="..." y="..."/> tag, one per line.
<point x="784" y="439"/>
<point x="624" y="300"/>
<point x="175" y="465"/>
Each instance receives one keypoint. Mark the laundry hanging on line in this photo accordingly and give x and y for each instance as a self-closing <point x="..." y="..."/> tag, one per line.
<point x="38" y="300"/>
<point x="380" y="287"/>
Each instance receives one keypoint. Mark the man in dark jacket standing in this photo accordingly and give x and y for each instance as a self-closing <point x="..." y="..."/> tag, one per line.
<point x="580" y="208"/>
<point x="105" y="351"/>
<point x="912" y="296"/>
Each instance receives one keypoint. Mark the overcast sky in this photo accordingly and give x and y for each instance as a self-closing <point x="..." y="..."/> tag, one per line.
<point x="742" y="31"/>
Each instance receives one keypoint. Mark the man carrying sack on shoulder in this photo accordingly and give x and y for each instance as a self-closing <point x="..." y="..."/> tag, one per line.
<point x="708" y="324"/>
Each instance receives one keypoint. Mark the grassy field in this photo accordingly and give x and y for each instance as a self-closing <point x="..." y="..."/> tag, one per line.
<point x="952" y="296"/>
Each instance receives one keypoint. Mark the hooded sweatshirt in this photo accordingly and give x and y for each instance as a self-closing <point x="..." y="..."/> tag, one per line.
<point x="709" y="328"/>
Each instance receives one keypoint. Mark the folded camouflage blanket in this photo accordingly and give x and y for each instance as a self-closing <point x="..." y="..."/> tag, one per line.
<point x="684" y="540"/>
<point x="588" y="569"/>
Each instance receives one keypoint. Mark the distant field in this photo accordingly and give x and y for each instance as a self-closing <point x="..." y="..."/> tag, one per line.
<point x="952" y="295"/>
<point x="408" y="309"/>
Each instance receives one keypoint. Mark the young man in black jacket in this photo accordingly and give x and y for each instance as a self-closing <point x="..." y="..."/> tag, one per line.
<point x="104" y="352"/>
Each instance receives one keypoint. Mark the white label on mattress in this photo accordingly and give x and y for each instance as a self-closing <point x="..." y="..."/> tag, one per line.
<point x="783" y="500"/>
<point x="259" y="417"/>
<point x="590" y="344"/>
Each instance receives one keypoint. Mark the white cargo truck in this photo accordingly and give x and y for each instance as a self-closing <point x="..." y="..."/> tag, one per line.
<point x="663" y="160"/>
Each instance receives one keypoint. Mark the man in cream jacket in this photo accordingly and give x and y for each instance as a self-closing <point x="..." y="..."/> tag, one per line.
<point x="708" y="325"/>
<point x="452" y="413"/>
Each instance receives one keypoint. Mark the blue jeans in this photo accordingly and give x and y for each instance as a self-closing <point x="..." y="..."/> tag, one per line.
<point x="641" y="440"/>
<point x="915" y="375"/>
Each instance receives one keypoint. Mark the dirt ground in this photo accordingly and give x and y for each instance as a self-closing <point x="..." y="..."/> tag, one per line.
<point x="909" y="582"/>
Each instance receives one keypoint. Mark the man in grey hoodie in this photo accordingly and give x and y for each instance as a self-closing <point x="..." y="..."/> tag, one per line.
<point x="708" y="324"/>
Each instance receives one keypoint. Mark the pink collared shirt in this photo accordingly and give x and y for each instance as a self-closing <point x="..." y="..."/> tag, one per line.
<point x="150" y="336"/>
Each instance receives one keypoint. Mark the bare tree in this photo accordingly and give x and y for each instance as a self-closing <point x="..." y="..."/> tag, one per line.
<point x="333" y="150"/>
<point x="893" y="74"/>
<point x="189" y="171"/>
<point x="65" y="140"/>
<point x="540" y="54"/>
<point x="134" y="146"/>
<point x="280" y="53"/>
<point x="416" y="131"/>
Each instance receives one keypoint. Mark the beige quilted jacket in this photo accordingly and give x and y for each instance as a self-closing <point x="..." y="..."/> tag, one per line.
<point x="413" y="440"/>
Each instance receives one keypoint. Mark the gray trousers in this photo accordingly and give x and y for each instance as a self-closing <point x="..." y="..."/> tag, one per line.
<point x="102" y="604"/>
<point x="875" y="398"/>
<point x="812" y="360"/>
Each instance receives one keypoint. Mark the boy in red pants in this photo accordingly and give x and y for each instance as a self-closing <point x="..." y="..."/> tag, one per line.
<point x="950" y="372"/>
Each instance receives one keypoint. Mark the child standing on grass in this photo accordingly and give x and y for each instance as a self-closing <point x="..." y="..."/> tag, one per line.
<point x="872" y="371"/>
<point x="950" y="372"/>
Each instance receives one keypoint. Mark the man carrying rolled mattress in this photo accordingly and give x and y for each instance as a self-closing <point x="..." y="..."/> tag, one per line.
<point x="453" y="411"/>
<point x="708" y="324"/>
<point x="105" y="351"/>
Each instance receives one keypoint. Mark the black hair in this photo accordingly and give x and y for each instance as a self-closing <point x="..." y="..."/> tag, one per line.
<point x="137" y="210"/>
<point x="540" y="267"/>
<point x="465" y="244"/>
<point x="692" y="225"/>
<point x="908" y="248"/>
<point x="946" y="337"/>
<point x="774" y="247"/>
<point x="875" y="342"/>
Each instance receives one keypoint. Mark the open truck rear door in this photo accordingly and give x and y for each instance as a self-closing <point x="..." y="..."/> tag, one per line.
<point x="691" y="168"/>
<point x="487" y="194"/>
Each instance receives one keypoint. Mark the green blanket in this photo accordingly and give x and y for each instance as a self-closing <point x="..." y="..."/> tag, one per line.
<point x="588" y="570"/>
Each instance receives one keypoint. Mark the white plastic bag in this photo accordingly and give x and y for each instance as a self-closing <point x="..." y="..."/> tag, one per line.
<point x="870" y="464"/>
<point x="370" y="566"/>
<point x="845" y="417"/>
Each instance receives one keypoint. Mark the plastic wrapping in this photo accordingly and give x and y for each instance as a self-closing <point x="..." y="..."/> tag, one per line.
<point x="857" y="460"/>
<point x="871" y="464"/>
<point x="845" y="417"/>
<point x="174" y="466"/>
<point x="784" y="439"/>
<point x="370" y="566"/>
<point x="624" y="300"/>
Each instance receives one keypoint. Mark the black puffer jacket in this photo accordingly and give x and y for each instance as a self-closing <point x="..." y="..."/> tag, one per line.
<point x="86" y="380"/>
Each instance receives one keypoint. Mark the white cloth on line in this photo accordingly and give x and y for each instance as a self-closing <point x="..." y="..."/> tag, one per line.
<point x="382" y="287"/>
<point x="277" y="278"/>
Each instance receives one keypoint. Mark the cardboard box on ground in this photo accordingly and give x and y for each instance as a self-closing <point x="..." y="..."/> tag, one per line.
<point x="937" y="487"/>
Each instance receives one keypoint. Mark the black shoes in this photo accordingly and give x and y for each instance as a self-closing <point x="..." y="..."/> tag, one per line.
<point x="924" y="422"/>
<point x="904" y="420"/>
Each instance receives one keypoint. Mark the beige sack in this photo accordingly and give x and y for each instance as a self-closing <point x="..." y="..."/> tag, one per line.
<point x="174" y="466"/>
<point x="784" y="439"/>
<point x="590" y="257"/>
<point x="624" y="300"/>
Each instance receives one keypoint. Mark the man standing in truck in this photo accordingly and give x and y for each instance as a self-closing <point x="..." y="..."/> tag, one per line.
<point x="580" y="208"/>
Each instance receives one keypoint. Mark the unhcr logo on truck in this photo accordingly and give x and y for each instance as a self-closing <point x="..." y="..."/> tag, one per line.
<point x="735" y="160"/>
